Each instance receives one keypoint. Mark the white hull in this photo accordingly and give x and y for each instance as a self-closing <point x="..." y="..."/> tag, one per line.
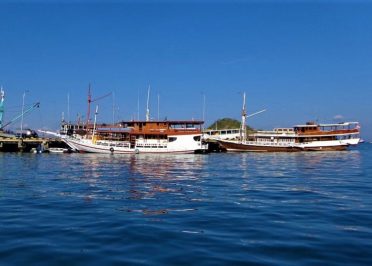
<point x="182" y="144"/>
<point x="321" y="144"/>
<point x="58" y="150"/>
<point x="331" y="144"/>
<point x="267" y="146"/>
<point x="353" y="142"/>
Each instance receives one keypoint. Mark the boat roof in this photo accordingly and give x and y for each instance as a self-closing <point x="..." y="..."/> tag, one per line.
<point x="174" y="122"/>
<point x="329" y="125"/>
<point x="339" y="124"/>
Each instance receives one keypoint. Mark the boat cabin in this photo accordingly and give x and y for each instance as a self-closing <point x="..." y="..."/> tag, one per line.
<point x="310" y="127"/>
<point x="340" y="128"/>
<point x="163" y="127"/>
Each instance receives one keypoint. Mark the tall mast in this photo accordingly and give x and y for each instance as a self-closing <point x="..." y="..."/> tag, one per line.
<point x="147" y="106"/>
<point x="158" y="107"/>
<point x="138" y="114"/>
<point x="23" y="107"/>
<point x="243" y="125"/>
<point x="204" y="109"/>
<point x="68" y="108"/>
<point x="113" y="107"/>
<point x="89" y="101"/>
<point x="2" y="94"/>
<point x="95" y="122"/>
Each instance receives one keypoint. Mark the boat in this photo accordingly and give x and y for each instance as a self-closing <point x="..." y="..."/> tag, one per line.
<point x="135" y="136"/>
<point x="308" y="137"/>
<point x="184" y="136"/>
<point x="59" y="150"/>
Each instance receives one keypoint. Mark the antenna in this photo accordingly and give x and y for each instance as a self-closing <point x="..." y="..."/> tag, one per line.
<point x="147" y="106"/>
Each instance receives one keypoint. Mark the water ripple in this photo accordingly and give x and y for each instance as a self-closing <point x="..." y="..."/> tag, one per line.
<point x="250" y="208"/>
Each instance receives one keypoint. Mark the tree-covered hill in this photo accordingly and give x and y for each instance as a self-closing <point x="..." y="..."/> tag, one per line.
<point x="227" y="123"/>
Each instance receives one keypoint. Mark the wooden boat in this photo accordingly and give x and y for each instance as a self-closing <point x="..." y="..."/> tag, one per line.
<point x="140" y="137"/>
<point x="308" y="137"/>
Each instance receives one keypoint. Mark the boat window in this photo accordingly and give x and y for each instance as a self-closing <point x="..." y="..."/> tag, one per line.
<point x="197" y="138"/>
<point x="171" y="139"/>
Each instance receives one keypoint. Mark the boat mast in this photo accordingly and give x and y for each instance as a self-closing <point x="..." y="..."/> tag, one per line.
<point x="95" y="121"/>
<point x="243" y="127"/>
<point x="89" y="101"/>
<point x="147" y="106"/>
<point x="204" y="110"/>
<point x="68" y="108"/>
<point x="1" y="107"/>
<point x="113" y="107"/>
<point x="158" y="107"/>
<point x="23" y="107"/>
<point x="138" y="114"/>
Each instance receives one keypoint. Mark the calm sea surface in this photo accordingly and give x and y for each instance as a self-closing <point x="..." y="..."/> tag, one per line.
<point x="216" y="209"/>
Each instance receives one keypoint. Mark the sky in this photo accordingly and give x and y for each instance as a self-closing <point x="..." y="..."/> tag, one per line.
<point x="300" y="60"/>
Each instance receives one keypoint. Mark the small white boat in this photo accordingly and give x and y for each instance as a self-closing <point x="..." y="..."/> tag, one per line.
<point x="59" y="150"/>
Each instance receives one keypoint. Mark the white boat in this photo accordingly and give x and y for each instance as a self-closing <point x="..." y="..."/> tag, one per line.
<point x="140" y="137"/>
<point x="59" y="150"/>
<point x="308" y="137"/>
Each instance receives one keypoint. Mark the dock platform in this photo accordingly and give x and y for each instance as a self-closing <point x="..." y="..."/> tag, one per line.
<point x="27" y="144"/>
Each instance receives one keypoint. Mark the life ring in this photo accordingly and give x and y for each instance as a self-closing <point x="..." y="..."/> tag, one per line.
<point x="136" y="151"/>
<point x="112" y="150"/>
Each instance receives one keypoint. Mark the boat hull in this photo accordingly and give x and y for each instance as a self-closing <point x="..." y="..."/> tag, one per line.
<point x="83" y="145"/>
<point x="274" y="147"/>
<point x="323" y="148"/>
<point x="243" y="147"/>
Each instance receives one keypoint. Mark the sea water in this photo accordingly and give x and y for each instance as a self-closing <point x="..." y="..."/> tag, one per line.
<point x="306" y="208"/>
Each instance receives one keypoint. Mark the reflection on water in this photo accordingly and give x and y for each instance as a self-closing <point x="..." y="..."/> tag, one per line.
<point x="285" y="208"/>
<point x="133" y="177"/>
<point x="167" y="166"/>
<point x="149" y="177"/>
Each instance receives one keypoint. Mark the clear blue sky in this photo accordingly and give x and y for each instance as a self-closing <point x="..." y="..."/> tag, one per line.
<point x="300" y="60"/>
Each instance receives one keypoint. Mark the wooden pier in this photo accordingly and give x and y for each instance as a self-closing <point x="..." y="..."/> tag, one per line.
<point x="27" y="144"/>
